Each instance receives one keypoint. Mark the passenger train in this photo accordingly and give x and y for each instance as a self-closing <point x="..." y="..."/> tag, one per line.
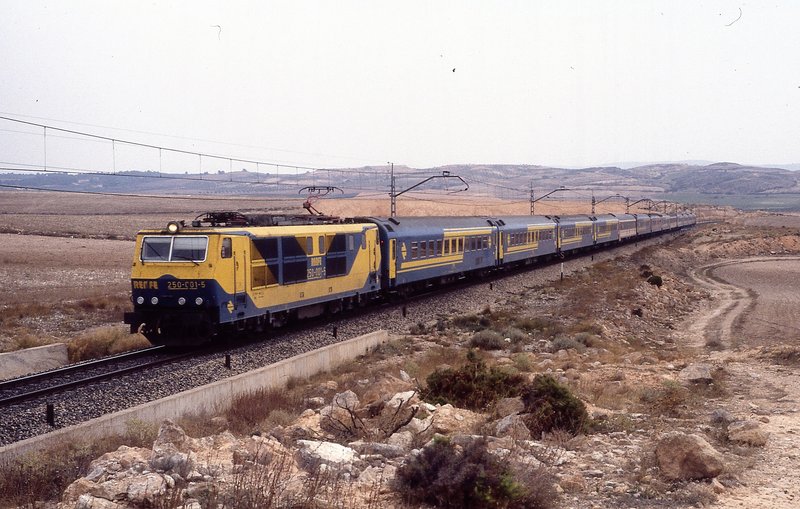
<point x="227" y="271"/>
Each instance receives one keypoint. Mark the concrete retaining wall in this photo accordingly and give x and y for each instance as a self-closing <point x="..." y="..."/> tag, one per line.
<point x="213" y="397"/>
<point x="32" y="360"/>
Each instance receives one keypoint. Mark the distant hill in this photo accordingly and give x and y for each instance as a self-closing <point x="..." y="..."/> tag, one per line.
<point x="719" y="183"/>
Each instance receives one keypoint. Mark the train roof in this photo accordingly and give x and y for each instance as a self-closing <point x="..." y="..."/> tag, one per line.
<point x="524" y="221"/>
<point x="431" y="224"/>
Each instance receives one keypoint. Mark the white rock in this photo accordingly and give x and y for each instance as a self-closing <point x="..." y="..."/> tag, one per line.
<point x="313" y="453"/>
<point x="401" y="398"/>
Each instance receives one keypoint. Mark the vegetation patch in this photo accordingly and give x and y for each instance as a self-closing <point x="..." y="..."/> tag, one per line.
<point x="473" y="385"/>
<point x="670" y="399"/>
<point x="487" y="340"/>
<point x="444" y="475"/>
<point x="263" y="409"/>
<point x="104" y="341"/>
<point x="550" y="405"/>
<point x="43" y="476"/>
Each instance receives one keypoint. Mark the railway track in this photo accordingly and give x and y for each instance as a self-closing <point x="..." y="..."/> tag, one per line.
<point x="50" y="382"/>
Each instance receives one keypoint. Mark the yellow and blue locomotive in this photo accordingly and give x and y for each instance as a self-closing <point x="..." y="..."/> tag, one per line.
<point x="189" y="283"/>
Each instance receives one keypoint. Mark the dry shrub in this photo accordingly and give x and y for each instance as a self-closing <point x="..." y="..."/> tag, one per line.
<point x="422" y="366"/>
<point x="515" y="335"/>
<point x="25" y="340"/>
<point x="471" y="322"/>
<point x="538" y="324"/>
<point x="200" y="424"/>
<point x="611" y="394"/>
<point x="444" y="475"/>
<point x="788" y="355"/>
<point x="252" y="411"/>
<point x="104" y="341"/>
<point x="669" y="399"/>
<point x="523" y="362"/>
<point x="567" y="343"/>
<point x="587" y="326"/>
<point x="487" y="340"/>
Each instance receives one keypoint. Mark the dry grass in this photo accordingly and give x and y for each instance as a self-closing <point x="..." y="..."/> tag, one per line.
<point x="602" y="391"/>
<point x="264" y="409"/>
<point x="104" y="341"/>
<point x="26" y="325"/>
<point x="43" y="476"/>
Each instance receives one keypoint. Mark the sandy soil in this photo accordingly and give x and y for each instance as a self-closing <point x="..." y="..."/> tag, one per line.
<point x="50" y="269"/>
<point x="755" y="306"/>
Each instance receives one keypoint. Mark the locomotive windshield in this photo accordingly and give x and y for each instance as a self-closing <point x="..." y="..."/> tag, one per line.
<point x="174" y="249"/>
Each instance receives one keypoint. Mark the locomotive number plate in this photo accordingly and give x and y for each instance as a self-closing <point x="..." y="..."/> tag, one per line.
<point x="185" y="285"/>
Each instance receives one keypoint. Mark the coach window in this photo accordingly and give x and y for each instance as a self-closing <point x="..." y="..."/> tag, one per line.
<point x="414" y="252"/>
<point x="321" y="244"/>
<point x="461" y="244"/>
<point x="446" y="246"/>
<point x="439" y="247"/>
<point x="227" y="250"/>
<point x="350" y="243"/>
<point x="309" y="245"/>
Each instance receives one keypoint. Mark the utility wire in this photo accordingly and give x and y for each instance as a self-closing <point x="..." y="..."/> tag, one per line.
<point x="156" y="147"/>
<point x="151" y="133"/>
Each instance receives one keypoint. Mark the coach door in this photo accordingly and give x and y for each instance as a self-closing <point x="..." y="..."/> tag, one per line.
<point x="240" y="274"/>
<point x="392" y="259"/>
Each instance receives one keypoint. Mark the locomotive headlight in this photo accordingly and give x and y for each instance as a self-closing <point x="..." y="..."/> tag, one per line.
<point x="181" y="301"/>
<point x="140" y="300"/>
<point x="198" y="301"/>
<point x="154" y="301"/>
<point x="173" y="226"/>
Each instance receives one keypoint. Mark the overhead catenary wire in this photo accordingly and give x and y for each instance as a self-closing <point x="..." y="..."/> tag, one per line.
<point x="158" y="147"/>
<point x="204" y="140"/>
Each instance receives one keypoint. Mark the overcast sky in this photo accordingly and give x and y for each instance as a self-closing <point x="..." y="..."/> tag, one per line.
<point x="347" y="83"/>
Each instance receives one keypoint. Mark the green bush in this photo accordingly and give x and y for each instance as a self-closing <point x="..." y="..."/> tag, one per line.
<point x="655" y="280"/>
<point x="515" y="335"/>
<point x="487" y="340"/>
<point x="473" y="385"/>
<point x="550" y="405"/>
<point x="566" y="343"/>
<point x="547" y="326"/>
<point x="471" y="322"/>
<point x="442" y="475"/>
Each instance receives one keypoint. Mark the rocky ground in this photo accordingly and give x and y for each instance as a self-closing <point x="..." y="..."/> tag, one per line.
<point x="692" y="388"/>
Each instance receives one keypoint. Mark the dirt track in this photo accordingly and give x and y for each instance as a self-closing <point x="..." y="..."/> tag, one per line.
<point x="755" y="305"/>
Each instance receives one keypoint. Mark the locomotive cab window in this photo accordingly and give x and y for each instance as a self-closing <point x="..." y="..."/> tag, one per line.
<point x="174" y="249"/>
<point x="156" y="249"/>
